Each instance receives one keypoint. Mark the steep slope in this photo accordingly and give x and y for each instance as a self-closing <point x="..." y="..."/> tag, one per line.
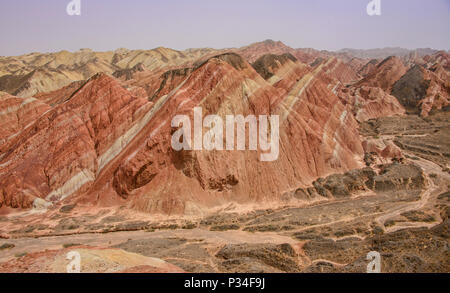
<point x="268" y="65"/>
<point x="35" y="73"/>
<point x="105" y="146"/>
<point x="95" y="142"/>
<point x="40" y="80"/>
<point x="368" y="68"/>
<point x="65" y="147"/>
<point x="370" y="102"/>
<point x="60" y="95"/>
<point x="231" y="86"/>
<point x="363" y="101"/>
<point x="441" y="57"/>
<point x="340" y="71"/>
<point x="16" y="114"/>
<point x="421" y="90"/>
<point x="128" y="73"/>
<point x="387" y="72"/>
<point x="256" y="50"/>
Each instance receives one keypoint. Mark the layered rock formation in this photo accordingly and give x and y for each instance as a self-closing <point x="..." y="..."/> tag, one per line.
<point x="35" y="73"/>
<point x="38" y="81"/>
<point x="63" y="149"/>
<point x="389" y="71"/>
<point x="368" y="68"/>
<point x="370" y="102"/>
<point x="104" y="144"/>
<point x="16" y="114"/>
<point x="254" y="51"/>
<point x="442" y="58"/>
<point x="106" y="140"/>
<point x="379" y="151"/>
<point x="231" y="86"/>
<point x="421" y="90"/>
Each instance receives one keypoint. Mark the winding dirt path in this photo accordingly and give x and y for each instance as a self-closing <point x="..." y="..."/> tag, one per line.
<point x="29" y="245"/>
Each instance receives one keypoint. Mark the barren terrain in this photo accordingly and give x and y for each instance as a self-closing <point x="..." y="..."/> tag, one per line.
<point x="409" y="227"/>
<point x="86" y="163"/>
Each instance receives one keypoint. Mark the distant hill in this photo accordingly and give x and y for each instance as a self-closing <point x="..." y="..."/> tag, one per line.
<point x="386" y="52"/>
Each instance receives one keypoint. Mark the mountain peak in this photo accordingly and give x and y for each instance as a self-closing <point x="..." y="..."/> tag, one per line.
<point x="231" y="58"/>
<point x="269" y="41"/>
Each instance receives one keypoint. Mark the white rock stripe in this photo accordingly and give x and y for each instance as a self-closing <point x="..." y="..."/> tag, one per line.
<point x="72" y="185"/>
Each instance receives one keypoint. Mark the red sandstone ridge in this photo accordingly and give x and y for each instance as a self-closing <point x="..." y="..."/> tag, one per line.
<point x="65" y="148"/>
<point x="256" y="50"/>
<point x="370" y="102"/>
<point x="105" y="145"/>
<point x="36" y="73"/>
<point x="442" y="58"/>
<point x="228" y="82"/>
<point x="363" y="101"/>
<point x="305" y="55"/>
<point x="107" y="141"/>
<point x="339" y="70"/>
<point x="368" y="68"/>
<point x="421" y="90"/>
<point x="16" y="114"/>
<point x="386" y="74"/>
<point x="61" y="95"/>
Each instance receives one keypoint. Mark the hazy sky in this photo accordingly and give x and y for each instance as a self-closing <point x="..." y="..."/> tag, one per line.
<point x="43" y="25"/>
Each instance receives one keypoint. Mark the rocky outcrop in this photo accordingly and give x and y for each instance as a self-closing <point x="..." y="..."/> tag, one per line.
<point x="103" y="141"/>
<point x="370" y="102"/>
<point x="211" y="180"/>
<point x="368" y="68"/>
<point x="128" y="73"/>
<point x="383" y="150"/>
<point x="259" y="257"/>
<point x="267" y="65"/>
<point x="399" y="177"/>
<point x="391" y="177"/>
<point x="386" y="74"/>
<point x="16" y="114"/>
<point x="252" y="52"/>
<point x="65" y="148"/>
<point x="61" y="95"/>
<point x="442" y="58"/>
<point x="337" y="185"/>
<point x="107" y="142"/>
<point x="170" y="80"/>
<point x="36" y="73"/>
<point x="38" y="81"/>
<point x="421" y="90"/>
<point x="340" y="71"/>
<point x="411" y="88"/>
